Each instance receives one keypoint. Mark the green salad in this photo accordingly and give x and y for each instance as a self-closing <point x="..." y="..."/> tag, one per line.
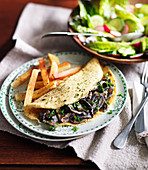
<point x="111" y="19"/>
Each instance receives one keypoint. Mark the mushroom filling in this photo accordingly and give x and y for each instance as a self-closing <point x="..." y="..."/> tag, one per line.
<point x="82" y="110"/>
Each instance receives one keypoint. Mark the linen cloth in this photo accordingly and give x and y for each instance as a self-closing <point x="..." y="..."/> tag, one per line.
<point x="38" y="19"/>
<point x="138" y="93"/>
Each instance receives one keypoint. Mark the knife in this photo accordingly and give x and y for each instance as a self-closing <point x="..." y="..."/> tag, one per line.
<point x="139" y="124"/>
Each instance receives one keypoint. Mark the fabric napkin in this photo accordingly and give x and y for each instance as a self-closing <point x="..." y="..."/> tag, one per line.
<point x="138" y="93"/>
<point x="97" y="146"/>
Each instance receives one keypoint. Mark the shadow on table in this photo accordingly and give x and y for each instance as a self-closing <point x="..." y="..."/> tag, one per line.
<point x="5" y="48"/>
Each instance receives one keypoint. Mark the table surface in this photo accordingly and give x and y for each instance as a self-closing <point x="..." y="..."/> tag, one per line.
<point x="17" y="152"/>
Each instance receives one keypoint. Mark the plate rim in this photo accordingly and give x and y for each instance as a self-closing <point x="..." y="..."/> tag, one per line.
<point x="19" y="126"/>
<point x="105" y="124"/>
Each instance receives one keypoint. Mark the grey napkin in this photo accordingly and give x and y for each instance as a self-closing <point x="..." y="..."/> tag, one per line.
<point x="138" y="93"/>
<point x="97" y="146"/>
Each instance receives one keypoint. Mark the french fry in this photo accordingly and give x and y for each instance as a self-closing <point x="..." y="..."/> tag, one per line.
<point x="39" y="78"/>
<point x="53" y="84"/>
<point x="20" y="80"/>
<point x="53" y="70"/>
<point x="54" y="65"/>
<point x="30" y="88"/>
<point x="19" y="97"/>
<point x="67" y="73"/>
<point x="53" y="58"/>
<point x="61" y="67"/>
<point x="39" y="84"/>
<point x="38" y="93"/>
<point x="44" y="73"/>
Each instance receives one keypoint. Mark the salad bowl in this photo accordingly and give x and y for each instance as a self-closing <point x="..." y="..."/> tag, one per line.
<point x="90" y="45"/>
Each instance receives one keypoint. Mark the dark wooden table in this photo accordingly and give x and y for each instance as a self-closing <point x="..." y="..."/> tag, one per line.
<point x="17" y="152"/>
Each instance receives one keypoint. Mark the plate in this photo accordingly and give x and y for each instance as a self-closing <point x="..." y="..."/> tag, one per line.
<point x="66" y="131"/>
<point x="9" y="116"/>
<point x="107" y="58"/>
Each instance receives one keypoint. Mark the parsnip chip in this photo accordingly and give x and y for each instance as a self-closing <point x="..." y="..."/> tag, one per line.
<point x="20" y="80"/>
<point x="67" y="73"/>
<point x="53" y="58"/>
<point x="44" y="73"/>
<point x="30" y="88"/>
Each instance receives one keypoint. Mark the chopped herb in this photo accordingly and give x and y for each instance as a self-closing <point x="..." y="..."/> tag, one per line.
<point x="75" y="128"/>
<point x="108" y="102"/>
<point x="110" y="83"/>
<point x="64" y="100"/>
<point x="51" y="114"/>
<point x="75" y="105"/>
<point x="97" y="101"/>
<point x="68" y="87"/>
<point x="62" y="112"/>
<point x="121" y="94"/>
<point x="97" y="107"/>
<point x="82" y="95"/>
<point x="110" y="112"/>
<point x="51" y="128"/>
<point x="75" y="116"/>
<point x="79" y="119"/>
<point x="92" y="102"/>
<point x="100" y="88"/>
<point x="78" y="104"/>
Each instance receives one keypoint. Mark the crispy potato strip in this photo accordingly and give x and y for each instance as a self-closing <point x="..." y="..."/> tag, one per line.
<point x="20" y="80"/>
<point x="39" y="84"/>
<point x="44" y="73"/>
<point x="53" y="58"/>
<point x="61" y="67"/>
<point x="54" y="65"/>
<point x="67" y="73"/>
<point x="30" y="88"/>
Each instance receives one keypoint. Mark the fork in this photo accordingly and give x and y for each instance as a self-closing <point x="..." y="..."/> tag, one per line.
<point x="121" y="139"/>
<point x="139" y="125"/>
<point x="125" y="37"/>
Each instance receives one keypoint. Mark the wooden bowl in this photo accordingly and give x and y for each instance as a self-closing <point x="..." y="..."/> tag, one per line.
<point x="104" y="57"/>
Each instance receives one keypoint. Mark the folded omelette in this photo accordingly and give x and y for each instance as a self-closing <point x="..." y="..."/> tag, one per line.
<point x="79" y="98"/>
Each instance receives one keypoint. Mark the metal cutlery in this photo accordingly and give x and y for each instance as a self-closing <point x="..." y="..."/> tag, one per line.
<point x="125" y="37"/>
<point x="121" y="139"/>
<point x="139" y="124"/>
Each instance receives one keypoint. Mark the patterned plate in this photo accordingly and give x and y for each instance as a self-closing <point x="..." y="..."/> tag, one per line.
<point x="66" y="131"/>
<point x="9" y="116"/>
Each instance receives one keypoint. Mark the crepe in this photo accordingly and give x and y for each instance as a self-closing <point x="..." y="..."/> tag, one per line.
<point x="73" y="88"/>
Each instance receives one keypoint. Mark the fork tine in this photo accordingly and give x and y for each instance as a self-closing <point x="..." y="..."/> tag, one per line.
<point x="145" y="73"/>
